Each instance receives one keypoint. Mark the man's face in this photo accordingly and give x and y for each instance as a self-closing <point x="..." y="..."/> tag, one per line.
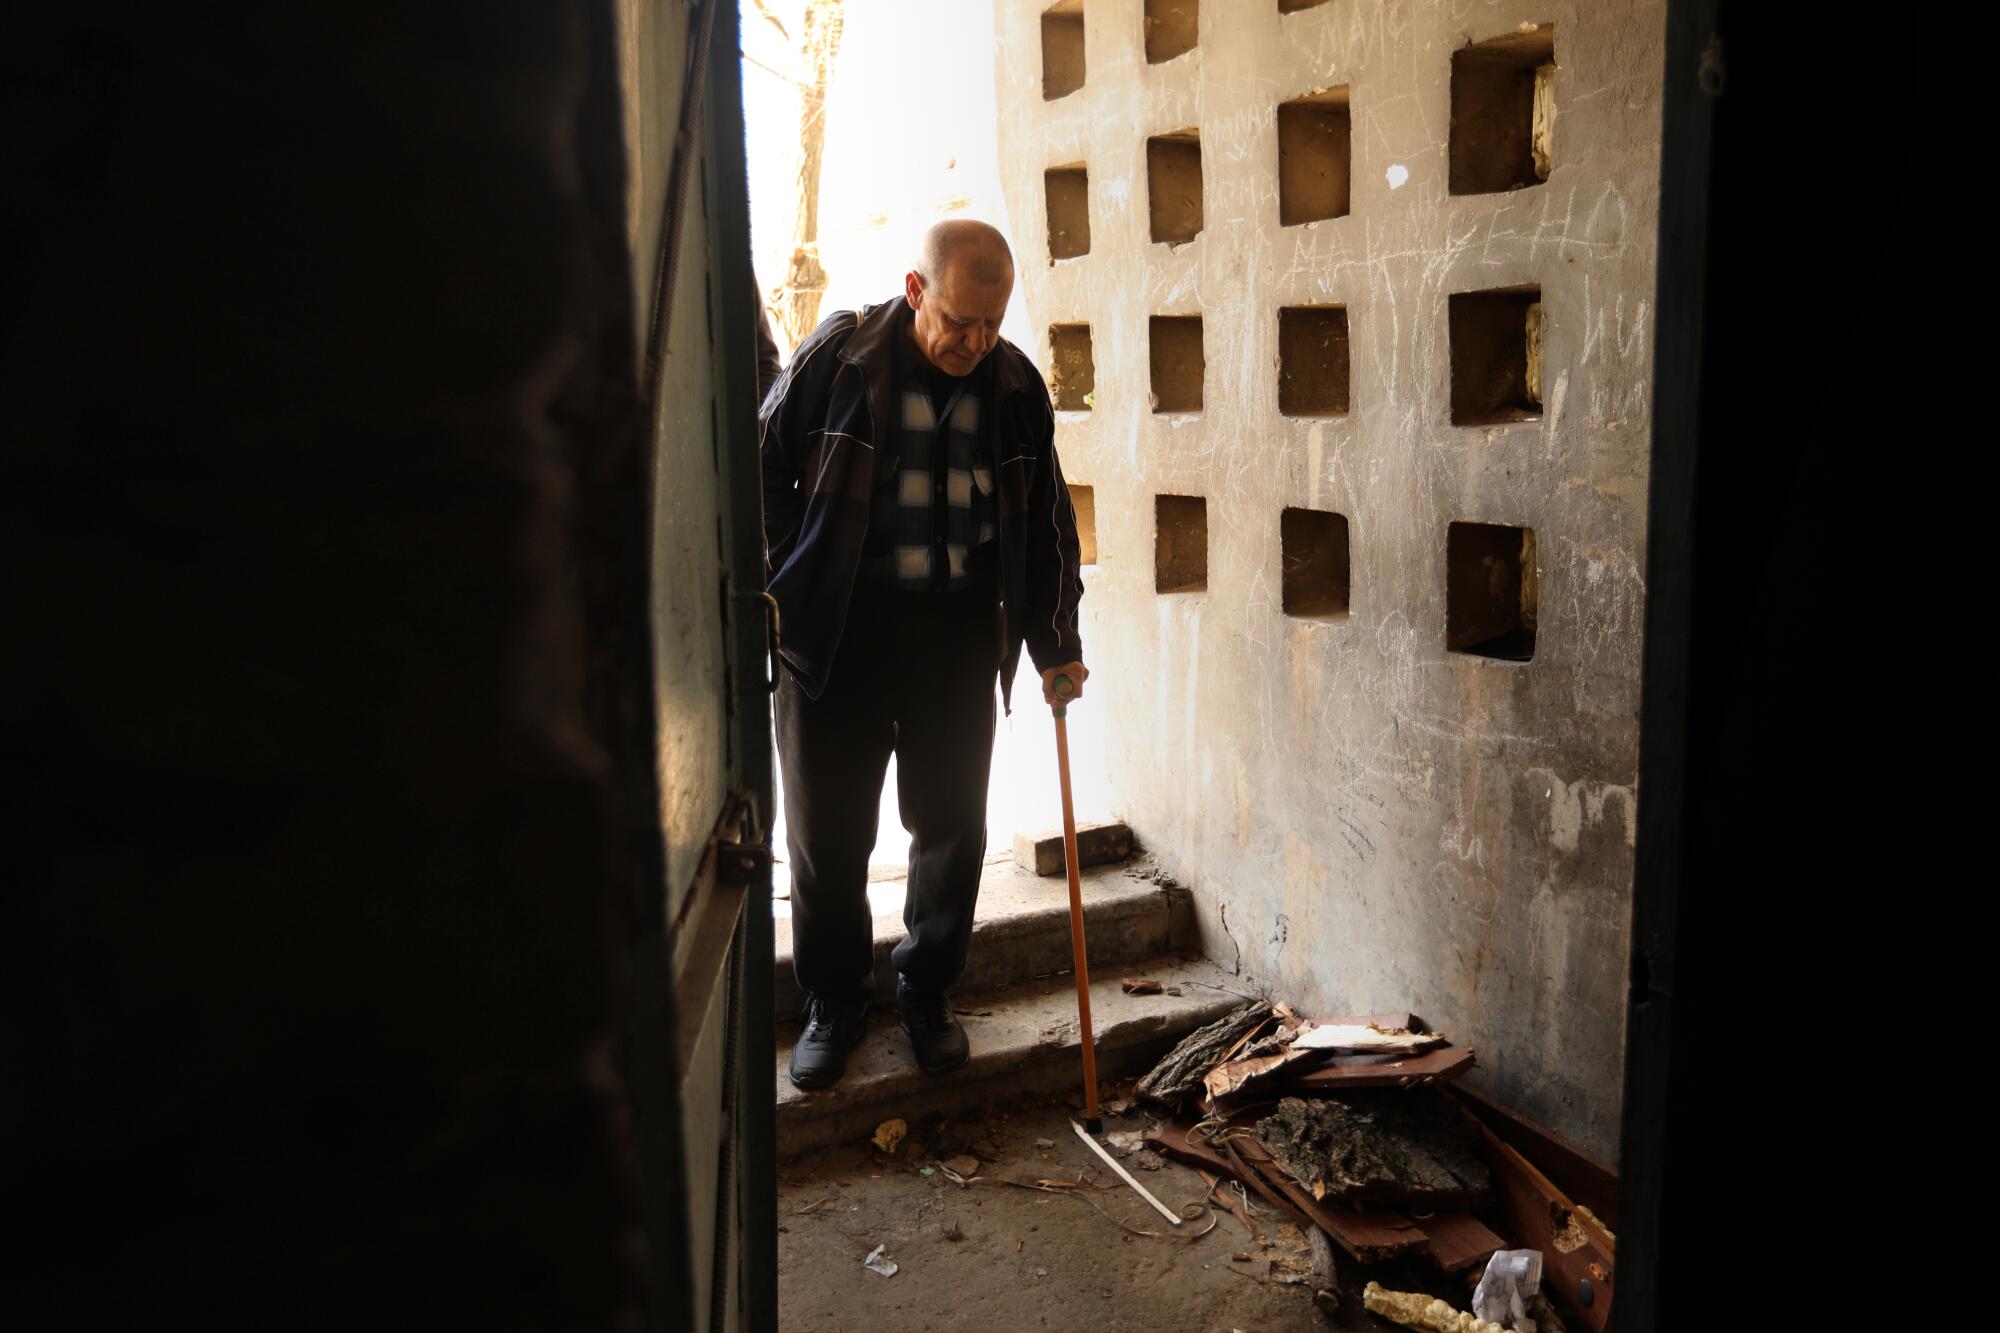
<point x="958" y="319"/>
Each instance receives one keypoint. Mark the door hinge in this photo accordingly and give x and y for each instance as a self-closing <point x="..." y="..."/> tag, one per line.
<point x="742" y="842"/>
<point x="740" y="863"/>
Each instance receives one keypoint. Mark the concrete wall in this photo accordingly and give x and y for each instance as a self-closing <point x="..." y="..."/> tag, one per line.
<point x="1369" y="820"/>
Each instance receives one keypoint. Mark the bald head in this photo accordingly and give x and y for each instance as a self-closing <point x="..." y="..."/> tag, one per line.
<point x="958" y="294"/>
<point x="969" y="247"/>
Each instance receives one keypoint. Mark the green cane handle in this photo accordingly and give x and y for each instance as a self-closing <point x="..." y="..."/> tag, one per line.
<point x="1064" y="687"/>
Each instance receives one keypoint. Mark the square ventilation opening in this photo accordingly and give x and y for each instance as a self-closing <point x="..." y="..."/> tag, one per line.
<point x="1062" y="49"/>
<point x="1170" y="29"/>
<point x="1068" y="193"/>
<point x="1180" y="543"/>
<point x="1178" y="365"/>
<point x="1314" y="157"/>
<point x="1075" y="374"/>
<point x="1496" y="356"/>
<point x="1313" y="548"/>
<point x="1312" y="361"/>
<point x="1503" y="112"/>
<point x="1173" y="185"/>
<point x="1490" y="581"/>
<point x="1084" y="499"/>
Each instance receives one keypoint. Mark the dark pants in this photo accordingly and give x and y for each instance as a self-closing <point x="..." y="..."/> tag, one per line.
<point x="913" y="676"/>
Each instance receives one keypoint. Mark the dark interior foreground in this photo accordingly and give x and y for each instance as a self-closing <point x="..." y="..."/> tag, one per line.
<point x="333" y="811"/>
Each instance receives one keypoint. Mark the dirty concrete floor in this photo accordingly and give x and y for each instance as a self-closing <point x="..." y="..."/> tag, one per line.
<point x="1030" y="1259"/>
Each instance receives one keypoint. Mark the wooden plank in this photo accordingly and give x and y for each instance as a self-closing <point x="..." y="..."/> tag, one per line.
<point x="1232" y="1202"/>
<point x="1459" y="1241"/>
<point x="1343" y="1072"/>
<point x="1539" y="1216"/>
<point x="1171" y="1138"/>
<point x="1379" y="1071"/>
<point x="1368" y="1235"/>
<point x="1388" y="1022"/>
<point x="1261" y="1183"/>
<point x="1586" y="1179"/>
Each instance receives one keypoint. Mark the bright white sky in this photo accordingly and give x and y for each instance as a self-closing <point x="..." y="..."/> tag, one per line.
<point x="910" y="138"/>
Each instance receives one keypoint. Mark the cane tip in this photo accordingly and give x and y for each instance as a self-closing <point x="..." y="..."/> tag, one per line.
<point x="1094" y="1125"/>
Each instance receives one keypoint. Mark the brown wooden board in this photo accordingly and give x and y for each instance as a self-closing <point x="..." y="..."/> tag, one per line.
<point x="1377" y="1071"/>
<point x="1230" y="1201"/>
<point x="1459" y="1240"/>
<point x="1456" y="1241"/>
<point x="1538" y="1216"/>
<point x="1387" y="1022"/>
<point x="1262" y="1183"/>
<point x="1367" y="1235"/>
<point x="1171" y="1138"/>
<point x="1584" y="1178"/>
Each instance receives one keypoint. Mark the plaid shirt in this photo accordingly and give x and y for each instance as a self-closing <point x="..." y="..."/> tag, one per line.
<point x="932" y="526"/>
<point x="829" y="430"/>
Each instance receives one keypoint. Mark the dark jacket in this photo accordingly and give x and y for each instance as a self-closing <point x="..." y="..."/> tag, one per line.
<point x="823" y="451"/>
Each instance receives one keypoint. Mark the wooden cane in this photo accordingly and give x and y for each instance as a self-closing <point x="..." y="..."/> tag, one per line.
<point x="1063" y="688"/>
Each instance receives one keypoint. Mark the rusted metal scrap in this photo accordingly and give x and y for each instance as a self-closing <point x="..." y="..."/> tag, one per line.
<point x="1180" y="1071"/>
<point x="1393" y="1149"/>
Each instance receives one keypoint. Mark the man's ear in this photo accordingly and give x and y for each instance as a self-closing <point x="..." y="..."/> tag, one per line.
<point x="913" y="288"/>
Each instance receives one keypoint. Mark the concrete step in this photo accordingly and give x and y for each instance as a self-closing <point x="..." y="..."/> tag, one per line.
<point x="1021" y="929"/>
<point x="1024" y="1043"/>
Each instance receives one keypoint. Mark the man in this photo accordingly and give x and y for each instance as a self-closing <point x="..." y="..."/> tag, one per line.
<point x="918" y="533"/>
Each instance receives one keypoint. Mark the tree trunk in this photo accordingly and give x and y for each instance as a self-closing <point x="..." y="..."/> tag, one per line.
<point x="796" y="304"/>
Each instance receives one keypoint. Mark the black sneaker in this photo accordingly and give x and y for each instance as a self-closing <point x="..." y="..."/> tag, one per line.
<point x="832" y="1029"/>
<point x="934" y="1031"/>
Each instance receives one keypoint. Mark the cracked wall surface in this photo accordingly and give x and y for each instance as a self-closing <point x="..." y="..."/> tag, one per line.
<point x="1370" y="820"/>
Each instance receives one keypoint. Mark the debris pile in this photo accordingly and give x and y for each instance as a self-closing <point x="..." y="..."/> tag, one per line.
<point x="1396" y="1152"/>
<point x="1356" y="1130"/>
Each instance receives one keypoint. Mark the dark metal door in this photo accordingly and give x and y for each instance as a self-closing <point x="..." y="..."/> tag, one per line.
<point x="704" y="1041"/>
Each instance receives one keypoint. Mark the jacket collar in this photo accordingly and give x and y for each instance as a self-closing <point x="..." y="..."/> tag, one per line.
<point x="870" y="347"/>
<point x="874" y="350"/>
